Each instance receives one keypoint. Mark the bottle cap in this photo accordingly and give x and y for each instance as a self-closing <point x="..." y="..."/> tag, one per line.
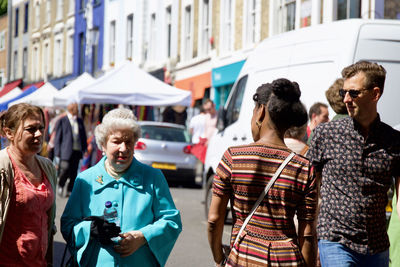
<point x="108" y="204"/>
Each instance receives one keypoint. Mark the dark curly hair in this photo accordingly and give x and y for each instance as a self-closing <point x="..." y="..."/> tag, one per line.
<point x="282" y="100"/>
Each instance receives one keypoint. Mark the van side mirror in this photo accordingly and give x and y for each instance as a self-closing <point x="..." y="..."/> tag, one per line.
<point x="221" y="122"/>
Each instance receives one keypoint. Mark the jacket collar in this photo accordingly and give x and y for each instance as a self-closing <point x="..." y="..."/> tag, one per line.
<point x="133" y="177"/>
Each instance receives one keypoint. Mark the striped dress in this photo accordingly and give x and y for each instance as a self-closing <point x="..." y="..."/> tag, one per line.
<point x="270" y="236"/>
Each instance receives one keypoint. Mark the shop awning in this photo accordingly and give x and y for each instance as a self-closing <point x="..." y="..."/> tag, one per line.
<point x="30" y="90"/>
<point x="196" y="84"/>
<point x="37" y="85"/>
<point x="9" y="86"/>
<point x="226" y="74"/>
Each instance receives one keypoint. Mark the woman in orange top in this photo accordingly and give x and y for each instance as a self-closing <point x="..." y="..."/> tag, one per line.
<point x="27" y="186"/>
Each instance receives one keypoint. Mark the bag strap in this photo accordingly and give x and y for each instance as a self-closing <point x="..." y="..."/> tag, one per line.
<point x="263" y="193"/>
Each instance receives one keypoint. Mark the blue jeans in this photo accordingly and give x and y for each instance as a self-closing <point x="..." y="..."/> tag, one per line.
<point x="333" y="254"/>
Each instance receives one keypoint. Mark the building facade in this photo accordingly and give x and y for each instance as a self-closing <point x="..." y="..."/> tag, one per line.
<point x="196" y="45"/>
<point x="89" y="37"/>
<point x="3" y="49"/>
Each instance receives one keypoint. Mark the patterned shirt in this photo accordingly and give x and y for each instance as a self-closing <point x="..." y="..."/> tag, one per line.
<point x="270" y="236"/>
<point x="356" y="175"/>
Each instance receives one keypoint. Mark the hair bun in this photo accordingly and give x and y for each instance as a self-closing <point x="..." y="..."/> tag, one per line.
<point x="286" y="90"/>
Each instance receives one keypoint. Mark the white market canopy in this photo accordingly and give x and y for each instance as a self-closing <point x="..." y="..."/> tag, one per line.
<point x="130" y="85"/>
<point x="43" y="96"/>
<point x="10" y="95"/>
<point x="70" y="92"/>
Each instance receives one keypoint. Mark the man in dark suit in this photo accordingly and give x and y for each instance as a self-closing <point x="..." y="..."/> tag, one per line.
<point x="69" y="146"/>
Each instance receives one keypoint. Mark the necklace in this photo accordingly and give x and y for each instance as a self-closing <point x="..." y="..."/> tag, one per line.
<point x="110" y="170"/>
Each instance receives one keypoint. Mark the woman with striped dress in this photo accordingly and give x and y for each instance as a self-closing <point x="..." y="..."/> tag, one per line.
<point x="269" y="238"/>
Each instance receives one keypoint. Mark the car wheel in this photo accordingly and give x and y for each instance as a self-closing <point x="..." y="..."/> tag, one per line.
<point x="208" y="194"/>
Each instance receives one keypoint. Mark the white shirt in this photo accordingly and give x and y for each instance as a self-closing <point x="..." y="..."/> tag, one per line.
<point x="197" y="124"/>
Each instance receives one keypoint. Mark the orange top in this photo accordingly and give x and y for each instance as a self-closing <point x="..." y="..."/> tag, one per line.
<point x="25" y="235"/>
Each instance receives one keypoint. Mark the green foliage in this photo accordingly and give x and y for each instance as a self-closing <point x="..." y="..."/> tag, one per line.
<point x="3" y="7"/>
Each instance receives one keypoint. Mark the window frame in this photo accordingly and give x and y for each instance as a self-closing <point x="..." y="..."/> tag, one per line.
<point x="129" y="36"/>
<point x="187" y="33"/>
<point x="205" y="27"/>
<point x="112" y="37"/>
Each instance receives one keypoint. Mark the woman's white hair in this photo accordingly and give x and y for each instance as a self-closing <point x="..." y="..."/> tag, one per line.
<point x="116" y="119"/>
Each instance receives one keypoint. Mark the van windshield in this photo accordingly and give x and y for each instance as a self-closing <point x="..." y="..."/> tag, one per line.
<point x="233" y="109"/>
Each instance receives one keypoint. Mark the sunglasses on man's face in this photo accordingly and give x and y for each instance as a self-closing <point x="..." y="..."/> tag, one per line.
<point x="352" y="92"/>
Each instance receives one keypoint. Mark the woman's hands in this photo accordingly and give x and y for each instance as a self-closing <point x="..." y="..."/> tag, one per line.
<point x="130" y="242"/>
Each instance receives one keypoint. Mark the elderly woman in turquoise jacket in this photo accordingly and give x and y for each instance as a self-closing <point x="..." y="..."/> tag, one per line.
<point x="149" y="221"/>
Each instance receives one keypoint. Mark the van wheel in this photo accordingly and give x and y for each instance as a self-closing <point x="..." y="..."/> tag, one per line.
<point x="208" y="194"/>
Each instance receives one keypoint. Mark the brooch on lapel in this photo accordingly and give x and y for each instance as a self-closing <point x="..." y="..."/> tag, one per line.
<point x="99" y="179"/>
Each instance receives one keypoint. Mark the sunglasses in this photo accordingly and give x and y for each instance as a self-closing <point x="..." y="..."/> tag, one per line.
<point x="352" y="92"/>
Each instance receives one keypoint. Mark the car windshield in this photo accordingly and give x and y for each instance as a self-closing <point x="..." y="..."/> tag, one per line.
<point x="164" y="133"/>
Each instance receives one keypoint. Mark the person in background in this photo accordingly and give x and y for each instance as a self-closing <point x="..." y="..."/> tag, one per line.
<point x="211" y="119"/>
<point x="356" y="159"/>
<point x="197" y="126"/>
<point x="294" y="139"/>
<point x="335" y="100"/>
<point x="197" y="131"/>
<point x="69" y="146"/>
<point x="270" y="237"/>
<point x="27" y="186"/>
<point x="318" y="114"/>
<point x="175" y="114"/>
<point x="149" y="221"/>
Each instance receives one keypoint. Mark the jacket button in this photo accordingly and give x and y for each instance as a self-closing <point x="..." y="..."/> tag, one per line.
<point x="116" y="186"/>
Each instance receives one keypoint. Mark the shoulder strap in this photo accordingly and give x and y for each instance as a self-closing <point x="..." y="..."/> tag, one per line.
<point x="263" y="193"/>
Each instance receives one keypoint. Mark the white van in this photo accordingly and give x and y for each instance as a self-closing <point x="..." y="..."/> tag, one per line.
<point x="314" y="57"/>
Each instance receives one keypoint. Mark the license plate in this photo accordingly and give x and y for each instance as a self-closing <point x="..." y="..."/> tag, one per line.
<point x="164" y="166"/>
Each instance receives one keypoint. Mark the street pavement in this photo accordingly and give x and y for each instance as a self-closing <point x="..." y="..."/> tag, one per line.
<point x="191" y="248"/>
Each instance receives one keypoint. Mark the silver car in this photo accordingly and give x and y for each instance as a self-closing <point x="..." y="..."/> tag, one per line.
<point x="166" y="146"/>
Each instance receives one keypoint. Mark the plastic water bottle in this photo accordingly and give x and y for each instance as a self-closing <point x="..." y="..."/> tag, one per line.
<point x="111" y="216"/>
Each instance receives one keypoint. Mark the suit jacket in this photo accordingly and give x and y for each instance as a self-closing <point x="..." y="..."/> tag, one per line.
<point x="63" y="141"/>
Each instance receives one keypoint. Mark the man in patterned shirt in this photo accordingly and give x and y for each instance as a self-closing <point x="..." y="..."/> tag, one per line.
<point x="355" y="159"/>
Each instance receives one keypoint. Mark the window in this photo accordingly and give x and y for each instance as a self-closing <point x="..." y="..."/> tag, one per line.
<point x="81" y="53"/>
<point x="24" y="63"/>
<point x="187" y="33"/>
<point x="250" y="22"/>
<point x="153" y="37"/>
<point x="35" y="62"/>
<point x="1" y="78"/>
<point x="348" y="9"/>
<point x="48" y="11"/>
<point x="205" y="28"/>
<point x="289" y="15"/>
<point x="95" y="49"/>
<point x="60" y="8"/>
<point x="37" y="15"/>
<point x="233" y="109"/>
<point x="2" y="40"/>
<point x="387" y="9"/>
<point x="15" y="69"/>
<point x="26" y="17"/>
<point x="112" y="43"/>
<point x="57" y="58"/>
<point x="16" y="22"/>
<point x="46" y="58"/>
<point x="70" y="54"/>
<point x="169" y="29"/>
<point x="71" y="6"/>
<point x="227" y="25"/>
<point x="129" y="37"/>
<point x="82" y="4"/>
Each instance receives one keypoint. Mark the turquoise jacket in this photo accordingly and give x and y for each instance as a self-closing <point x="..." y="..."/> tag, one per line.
<point x="144" y="204"/>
